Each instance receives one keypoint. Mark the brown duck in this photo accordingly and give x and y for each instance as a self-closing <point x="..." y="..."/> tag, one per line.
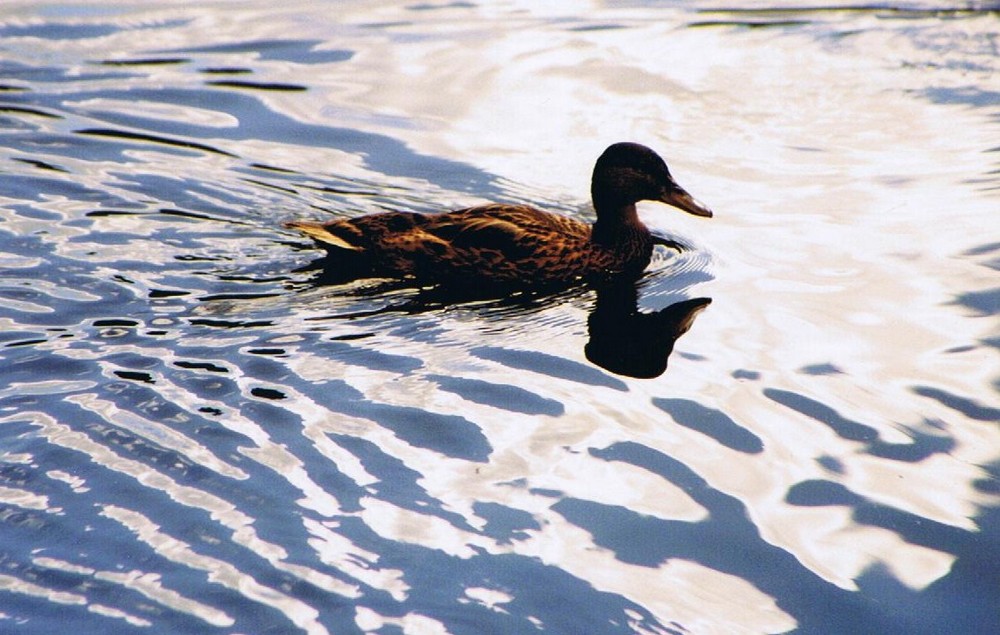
<point x="515" y="244"/>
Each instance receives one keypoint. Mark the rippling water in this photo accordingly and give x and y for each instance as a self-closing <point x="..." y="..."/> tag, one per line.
<point x="198" y="435"/>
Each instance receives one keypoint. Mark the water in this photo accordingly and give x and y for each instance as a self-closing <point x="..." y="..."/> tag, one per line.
<point x="200" y="436"/>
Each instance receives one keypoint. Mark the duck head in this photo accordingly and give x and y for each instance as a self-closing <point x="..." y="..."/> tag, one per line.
<point x="628" y="173"/>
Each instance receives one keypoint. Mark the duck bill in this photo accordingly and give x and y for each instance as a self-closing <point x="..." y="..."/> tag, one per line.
<point x="682" y="200"/>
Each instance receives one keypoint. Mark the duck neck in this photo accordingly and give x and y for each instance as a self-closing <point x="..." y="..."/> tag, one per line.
<point x="616" y="226"/>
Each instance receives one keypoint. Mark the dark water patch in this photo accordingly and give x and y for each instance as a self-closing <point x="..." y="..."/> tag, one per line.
<point x="111" y="545"/>
<point x="155" y="294"/>
<point x="994" y="261"/>
<point x="831" y="464"/>
<point x="24" y="296"/>
<point x="546" y="492"/>
<point x="37" y="76"/>
<point x="148" y="138"/>
<point x="694" y="357"/>
<point x="272" y="186"/>
<point x="956" y="350"/>
<point x="989" y="484"/>
<point x="439" y="579"/>
<point x="993" y="342"/>
<point x="29" y="365"/>
<point x="751" y="375"/>
<point x="844" y="428"/>
<point x="130" y="445"/>
<point x="748" y="24"/>
<point x="449" y="435"/>
<point x="943" y="606"/>
<point x="26" y="342"/>
<point x="215" y="387"/>
<point x="146" y="61"/>
<point x="344" y="190"/>
<point x="226" y="70"/>
<point x="911" y="527"/>
<point x="111" y="322"/>
<point x="881" y="9"/>
<point x="551" y="365"/>
<point x="244" y="278"/>
<point x="505" y="524"/>
<point x="236" y="296"/>
<point x="712" y="423"/>
<point x="59" y="31"/>
<point x="985" y="303"/>
<point x="973" y="96"/>
<point x="967" y="407"/>
<point x="16" y="517"/>
<point x="140" y="399"/>
<point x="297" y="51"/>
<point x="817" y="493"/>
<point x="727" y="541"/>
<point x="370" y="358"/>
<point x="821" y="369"/>
<point x="986" y="248"/>
<point x="350" y="337"/>
<point x="385" y="25"/>
<point x="270" y="352"/>
<point x="33" y="188"/>
<point x="132" y="375"/>
<point x="396" y="482"/>
<point x="16" y="474"/>
<point x="958" y="602"/>
<point x="268" y="393"/>
<point x="431" y="6"/>
<point x="230" y="324"/>
<point x="25" y="110"/>
<point x="265" y="86"/>
<point x="502" y="396"/>
<point x="201" y="258"/>
<point x="41" y="165"/>
<point x="103" y="213"/>
<point x="209" y="366"/>
<point x="596" y="27"/>
<point x="272" y="168"/>
<point x="921" y="446"/>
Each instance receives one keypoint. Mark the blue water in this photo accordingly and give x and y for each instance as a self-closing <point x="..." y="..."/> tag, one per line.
<point x="198" y="433"/>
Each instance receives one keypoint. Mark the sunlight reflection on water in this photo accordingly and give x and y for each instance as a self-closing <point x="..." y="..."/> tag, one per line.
<point x="198" y="437"/>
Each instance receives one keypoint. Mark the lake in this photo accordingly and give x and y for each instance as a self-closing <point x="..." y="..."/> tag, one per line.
<point x="789" y="424"/>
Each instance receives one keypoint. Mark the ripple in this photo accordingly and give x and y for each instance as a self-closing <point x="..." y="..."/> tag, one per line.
<point x="138" y="136"/>
<point x="201" y="435"/>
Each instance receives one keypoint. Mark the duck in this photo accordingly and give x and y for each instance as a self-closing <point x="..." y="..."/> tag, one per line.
<point x="509" y="244"/>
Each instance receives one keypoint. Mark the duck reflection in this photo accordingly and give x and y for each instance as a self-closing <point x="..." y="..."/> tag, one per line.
<point x="622" y="338"/>
<point x="627" y="341"/>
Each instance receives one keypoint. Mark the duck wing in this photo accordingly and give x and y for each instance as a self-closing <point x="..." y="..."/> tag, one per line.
<point x="514" y="243"/>
<point x="369" y="233"/>
<point x="517" y="231"/>
<point x="502" y="242"/>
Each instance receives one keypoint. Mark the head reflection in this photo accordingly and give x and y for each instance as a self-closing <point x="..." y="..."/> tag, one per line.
<point x="627" y="341"/>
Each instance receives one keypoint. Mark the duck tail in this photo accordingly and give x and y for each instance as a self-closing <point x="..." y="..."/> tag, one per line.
<point x="322" y="234"/>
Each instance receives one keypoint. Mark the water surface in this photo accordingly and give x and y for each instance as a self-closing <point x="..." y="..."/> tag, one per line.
<point x="197" y="435"/>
